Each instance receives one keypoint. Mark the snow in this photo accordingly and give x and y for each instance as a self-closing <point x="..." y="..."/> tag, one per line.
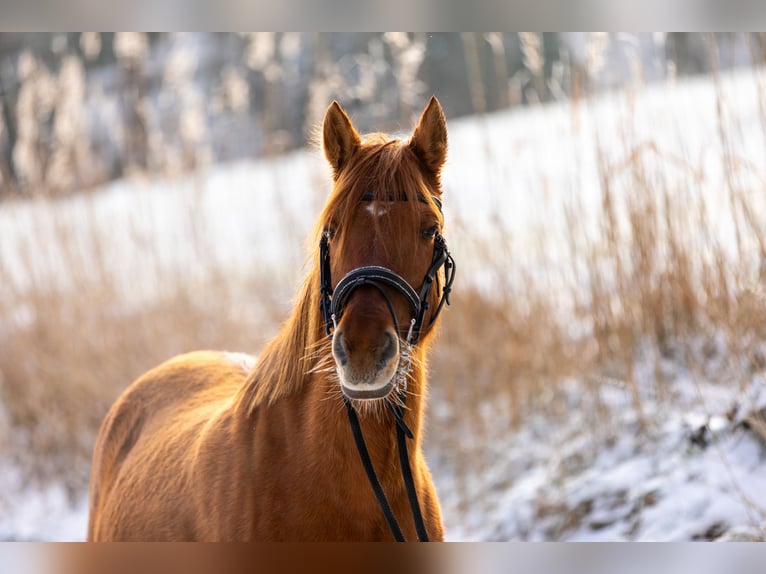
<point x="686" y="468"/>
<point x="685" y="475"/>
<point x="40" y="512"/>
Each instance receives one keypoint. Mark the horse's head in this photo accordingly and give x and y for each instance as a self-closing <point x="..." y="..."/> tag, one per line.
<point x="385" y="266"/>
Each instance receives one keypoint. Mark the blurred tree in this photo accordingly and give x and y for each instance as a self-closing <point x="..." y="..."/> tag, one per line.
<point x="250" y="94"/>
<point x="688" y="52"/>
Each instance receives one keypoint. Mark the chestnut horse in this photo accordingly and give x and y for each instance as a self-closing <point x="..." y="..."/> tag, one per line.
<point x="217" y="446"/>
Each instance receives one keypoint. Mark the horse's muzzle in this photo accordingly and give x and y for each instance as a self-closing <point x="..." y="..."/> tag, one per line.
<point x="366" y="368"/>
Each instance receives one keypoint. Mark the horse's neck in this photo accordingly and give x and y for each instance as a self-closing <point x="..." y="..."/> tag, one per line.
<point x="331" y="446"/>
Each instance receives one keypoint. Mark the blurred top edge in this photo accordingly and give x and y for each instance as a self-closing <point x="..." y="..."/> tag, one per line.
<point x="343" y="15"/>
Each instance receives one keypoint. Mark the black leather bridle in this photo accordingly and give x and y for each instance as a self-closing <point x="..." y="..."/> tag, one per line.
<point x="332" y="302"/>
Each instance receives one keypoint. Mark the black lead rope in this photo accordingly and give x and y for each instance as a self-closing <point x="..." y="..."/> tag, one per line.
<point x="409" y="482"/>
<point x="370" y="470"/>
<point x="402" y="433"/>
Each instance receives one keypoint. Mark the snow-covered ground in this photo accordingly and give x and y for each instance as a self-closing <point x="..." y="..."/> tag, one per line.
<point x="40" y="513"/>
<point x="692" y="467"/>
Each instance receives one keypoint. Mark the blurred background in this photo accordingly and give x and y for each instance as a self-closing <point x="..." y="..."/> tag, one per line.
<point x="604" y="199"/>
<point x="81" y="109"/>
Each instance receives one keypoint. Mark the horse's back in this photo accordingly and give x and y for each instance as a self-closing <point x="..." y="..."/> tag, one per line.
<point x="145" y="449"/>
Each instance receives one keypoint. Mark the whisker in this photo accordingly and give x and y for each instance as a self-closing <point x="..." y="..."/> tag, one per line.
<point x="322" y="369"/>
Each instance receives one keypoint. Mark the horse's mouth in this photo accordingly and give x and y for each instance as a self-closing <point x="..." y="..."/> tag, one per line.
<point x="364" y="392"/>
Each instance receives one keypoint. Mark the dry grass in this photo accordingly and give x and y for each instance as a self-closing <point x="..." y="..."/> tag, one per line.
<point x="651" y="285"/>
<point x="66" y="354"/>
<point x="654" y="283"/>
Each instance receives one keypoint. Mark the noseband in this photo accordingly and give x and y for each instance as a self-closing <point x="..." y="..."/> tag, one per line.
<point x="332" y="301"/>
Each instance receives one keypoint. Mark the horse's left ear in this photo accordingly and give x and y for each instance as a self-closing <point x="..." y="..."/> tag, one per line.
<point x="429" y="140"/>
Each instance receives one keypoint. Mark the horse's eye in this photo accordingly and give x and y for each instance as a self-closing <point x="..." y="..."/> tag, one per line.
<point x="431" y="232"/>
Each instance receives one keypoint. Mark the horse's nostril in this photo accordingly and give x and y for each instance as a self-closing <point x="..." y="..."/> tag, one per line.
<point x="339" y="348"/>
<point x="388" y="352"/>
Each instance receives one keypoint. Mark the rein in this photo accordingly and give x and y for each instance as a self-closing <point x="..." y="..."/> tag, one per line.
<point x="331" y="305"/>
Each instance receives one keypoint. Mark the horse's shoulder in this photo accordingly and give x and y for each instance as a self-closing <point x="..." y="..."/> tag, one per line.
<point x="195" y="371"/>
<point x="207" y="361"/>
<point x="195" y="378"/>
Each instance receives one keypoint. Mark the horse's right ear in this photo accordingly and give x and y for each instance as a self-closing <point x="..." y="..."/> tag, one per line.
<point x="339" y="138"/>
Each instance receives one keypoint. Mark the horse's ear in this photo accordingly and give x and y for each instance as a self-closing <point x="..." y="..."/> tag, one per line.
<point x="429" y="140"/>
<point x="339" y="138"/>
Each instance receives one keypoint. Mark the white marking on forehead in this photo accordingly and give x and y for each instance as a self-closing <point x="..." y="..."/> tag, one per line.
<point x="376" y="210"/>
<point x="243" y="361"/>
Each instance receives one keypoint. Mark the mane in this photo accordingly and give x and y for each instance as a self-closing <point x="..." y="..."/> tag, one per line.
<point x="380" y="166"/>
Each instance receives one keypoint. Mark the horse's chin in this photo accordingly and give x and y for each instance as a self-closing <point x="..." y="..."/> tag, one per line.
<point x="367" y="385"/>
<point x="364" y="392"/>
